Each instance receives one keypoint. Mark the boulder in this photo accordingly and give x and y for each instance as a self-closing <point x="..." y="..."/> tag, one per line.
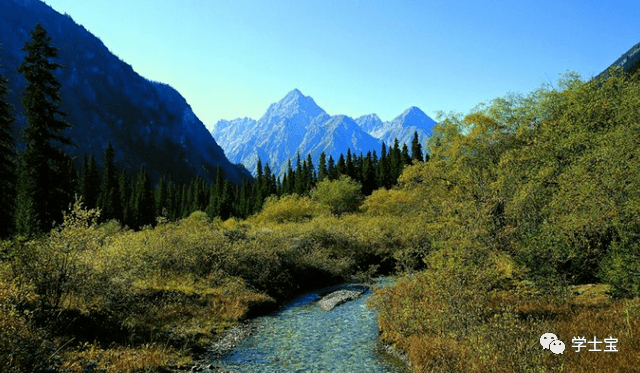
<point x="332" y="300"/>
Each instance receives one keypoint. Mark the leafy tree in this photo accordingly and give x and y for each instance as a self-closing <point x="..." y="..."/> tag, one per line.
<point x="7" y="163"/>
<point x="340" y="196"/>
<point x="44" y="182"/>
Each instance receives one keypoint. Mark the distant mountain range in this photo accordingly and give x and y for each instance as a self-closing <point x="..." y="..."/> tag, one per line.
<point x="296" y="125"/>
<point x="148" y="123"/>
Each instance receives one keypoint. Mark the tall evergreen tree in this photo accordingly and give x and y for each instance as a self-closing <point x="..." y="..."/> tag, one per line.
<point x="110" y="200"/>
<point x="44" y="183"/>
<point x="395" y="162"/>
<point x="161" y="198"/>
<point x="311" y="170"/>
<point x="290" y="185"/>
<point x="332" y="172"/>
<point x="90" y="185"/>
<point x="143" y="204"/>
<point x="405" y="157"/>
<point x="341" y="167"/>
<point x="322" y="167"/>
<point x="124" y="184"/>
<point x="299" y="180"/>
<point x="382" y="174"/>
<point x="7" y="163"/>
<point x="349" y="167"/>
<point x="269" y="182"/>
<point x="416" y="148"/>
<point x="368" y="175"/>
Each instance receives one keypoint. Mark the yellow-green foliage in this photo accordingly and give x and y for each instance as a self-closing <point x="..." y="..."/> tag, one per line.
<point x="288" y="208"/>
<point x="157" y="294"/>
<point x="521" y="197"/>
<point x="340" y="196"/>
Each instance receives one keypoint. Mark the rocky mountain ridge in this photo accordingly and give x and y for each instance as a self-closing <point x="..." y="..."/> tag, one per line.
<point x="296" y="125"/>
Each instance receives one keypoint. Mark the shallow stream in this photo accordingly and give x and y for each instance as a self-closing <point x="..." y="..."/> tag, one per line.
<point x="301" y="337"/>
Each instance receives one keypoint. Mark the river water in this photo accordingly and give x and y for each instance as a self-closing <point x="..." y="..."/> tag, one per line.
<point x="302" y="337"/>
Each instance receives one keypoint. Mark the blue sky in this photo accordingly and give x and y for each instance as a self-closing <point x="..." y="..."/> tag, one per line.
<point x="233" y="58"/>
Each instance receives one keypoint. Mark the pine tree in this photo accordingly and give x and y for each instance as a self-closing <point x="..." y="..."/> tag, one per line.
<point x="124" y="184"/>
<point x="349" y="167"/>
<point x="368" y="175"/>
<point x="382" y="174"/>
<point x="311" y="174"/>
<point x="161" y="198"/>
<point x="110" y="200"/>
<point x="44" y="177"/>
<point x="143" y="204"/>
<point x="416" y="148"/>
<point x="341" y="168"/>
<point x="322" y="167"/>
<point x="8" y="167"/>
<point x="332" y="173"/>
<point x="405" y="157"/>
<point x="90" y="185"/>
<point x="299" y="179"/>
<point x="395" y="162"/>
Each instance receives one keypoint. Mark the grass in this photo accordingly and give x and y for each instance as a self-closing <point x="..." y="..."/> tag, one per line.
<point x="500" y="332"/>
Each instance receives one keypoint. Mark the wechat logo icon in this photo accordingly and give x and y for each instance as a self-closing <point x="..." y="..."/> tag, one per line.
<point x="550" y="341"/>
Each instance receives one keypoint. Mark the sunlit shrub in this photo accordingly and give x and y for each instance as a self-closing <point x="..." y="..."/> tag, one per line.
<point x="62" y="262"/>
<point x="288" y="208"/>
<point x="340" y="196"/>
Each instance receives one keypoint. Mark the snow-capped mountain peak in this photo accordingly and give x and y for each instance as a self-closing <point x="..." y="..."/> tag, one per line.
<point x="292" y="105"/>
<point x="297" y="125"/>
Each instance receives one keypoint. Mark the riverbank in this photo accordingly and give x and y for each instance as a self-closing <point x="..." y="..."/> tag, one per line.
<point x="157" y="298"/>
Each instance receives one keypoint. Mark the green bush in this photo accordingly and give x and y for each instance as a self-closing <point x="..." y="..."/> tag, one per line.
<point x="340" y="196"/>
<point x="288" y="208"/>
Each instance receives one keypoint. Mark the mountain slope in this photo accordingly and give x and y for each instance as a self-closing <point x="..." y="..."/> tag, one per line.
<point x="148" y="123"/>
<point x="629" y="61"/>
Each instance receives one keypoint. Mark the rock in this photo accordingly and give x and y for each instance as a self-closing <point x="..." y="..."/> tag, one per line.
<point x="329" y="302"/>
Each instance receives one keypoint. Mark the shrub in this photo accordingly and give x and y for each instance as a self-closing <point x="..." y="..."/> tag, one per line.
<point x="288" y="208"/>
<point x="340" y="196"/>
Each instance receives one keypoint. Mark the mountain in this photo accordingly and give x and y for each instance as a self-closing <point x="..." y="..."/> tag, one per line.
<point x="294" y="125"/>
<point x="629" y="61"/>
<point x="148" y="123"/>
<point x="297" y="125"/>
<point x="403" y="127"/>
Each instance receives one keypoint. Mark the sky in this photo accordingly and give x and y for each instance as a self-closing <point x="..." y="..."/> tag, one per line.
<point x="233" y="58"/>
